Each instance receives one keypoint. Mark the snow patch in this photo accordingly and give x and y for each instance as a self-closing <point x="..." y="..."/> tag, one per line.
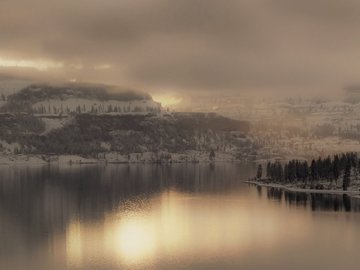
<point x="53" y="123"/>
<point x="8" y="148"/>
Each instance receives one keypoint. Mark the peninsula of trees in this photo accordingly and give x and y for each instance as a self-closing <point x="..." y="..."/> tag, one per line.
<point x="341" y="171"/>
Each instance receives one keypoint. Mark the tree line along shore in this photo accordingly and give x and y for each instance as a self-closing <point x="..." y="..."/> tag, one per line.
<point x="340" y="171"/>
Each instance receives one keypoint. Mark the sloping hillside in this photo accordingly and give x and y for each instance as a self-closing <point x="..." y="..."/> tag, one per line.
<point x="89" y="135"/>
<point x="95" y="120"/>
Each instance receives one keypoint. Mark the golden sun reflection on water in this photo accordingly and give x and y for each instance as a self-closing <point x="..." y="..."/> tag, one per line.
<point x="179" y="225"/>
<point x="74" y="244"/>
<point x="133" y="239"/>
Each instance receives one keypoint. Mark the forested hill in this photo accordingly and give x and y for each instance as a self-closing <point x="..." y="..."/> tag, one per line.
<point x="95" y="120"/>
<point x="44" y="99"/>
<point x="90" y="134"/>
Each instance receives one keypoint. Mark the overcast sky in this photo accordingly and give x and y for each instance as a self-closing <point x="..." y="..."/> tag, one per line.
<point x="186" y="46"/>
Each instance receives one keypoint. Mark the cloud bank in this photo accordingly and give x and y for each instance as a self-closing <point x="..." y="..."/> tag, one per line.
<point x="187" y="46"/>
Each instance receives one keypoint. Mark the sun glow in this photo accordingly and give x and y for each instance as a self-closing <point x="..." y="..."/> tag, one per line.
<point x="167" y="100"/>
<point x="101" y="67"/>
<point x="37" y="64"/>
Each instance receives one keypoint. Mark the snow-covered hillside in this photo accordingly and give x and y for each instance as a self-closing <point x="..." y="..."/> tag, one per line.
<point x="74" y="98"/>
<point x="81" y="105"/>
<point x="299" y="128"/>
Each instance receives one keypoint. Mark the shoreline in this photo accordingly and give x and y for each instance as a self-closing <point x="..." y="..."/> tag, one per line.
<point x="351" y="193"/>
<point x="29" y="160"/>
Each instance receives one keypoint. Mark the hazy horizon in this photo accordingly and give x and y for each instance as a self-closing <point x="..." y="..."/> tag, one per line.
<point x="179" y="134"/>
<point x="186" y="47"/>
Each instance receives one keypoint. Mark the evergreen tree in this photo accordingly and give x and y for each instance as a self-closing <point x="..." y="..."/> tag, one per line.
<point x="313" y="170"/>
<point x="346" y="178"/>
<point x="268" y="167"/>
<point x="292" y="171"/>
<point x="306" y="171"/>
<point x="280" y="172"/>
<point x="259" y="172"/>
<point x="212" y="155"/>
<point x="335" y="168"/>
<point x="286" y="173"/>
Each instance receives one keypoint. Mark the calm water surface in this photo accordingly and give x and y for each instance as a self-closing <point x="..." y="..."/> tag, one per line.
<point x="168" y="217"/>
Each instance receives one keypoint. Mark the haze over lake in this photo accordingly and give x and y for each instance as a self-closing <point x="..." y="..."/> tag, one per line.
<point x="179" y="216"/>
<point x="179" y="135"/>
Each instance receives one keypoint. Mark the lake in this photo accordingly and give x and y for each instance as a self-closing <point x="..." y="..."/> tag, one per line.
<point x="180" y="216"/>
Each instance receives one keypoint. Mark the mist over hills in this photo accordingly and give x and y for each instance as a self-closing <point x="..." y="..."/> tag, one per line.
<point x="119" y="124"/>
<point x="70" y="98"/>
<point x="108" y="123"/>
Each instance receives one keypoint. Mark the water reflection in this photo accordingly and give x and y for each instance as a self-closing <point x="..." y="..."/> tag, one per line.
<point x="161" y="217"/>
<point x="316" y="201"/>
<point x="39" y="203"/>
<point x="46" y="198"/>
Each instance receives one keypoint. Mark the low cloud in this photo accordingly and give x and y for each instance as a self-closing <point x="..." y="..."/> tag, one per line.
<point x="188" y="46"/>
